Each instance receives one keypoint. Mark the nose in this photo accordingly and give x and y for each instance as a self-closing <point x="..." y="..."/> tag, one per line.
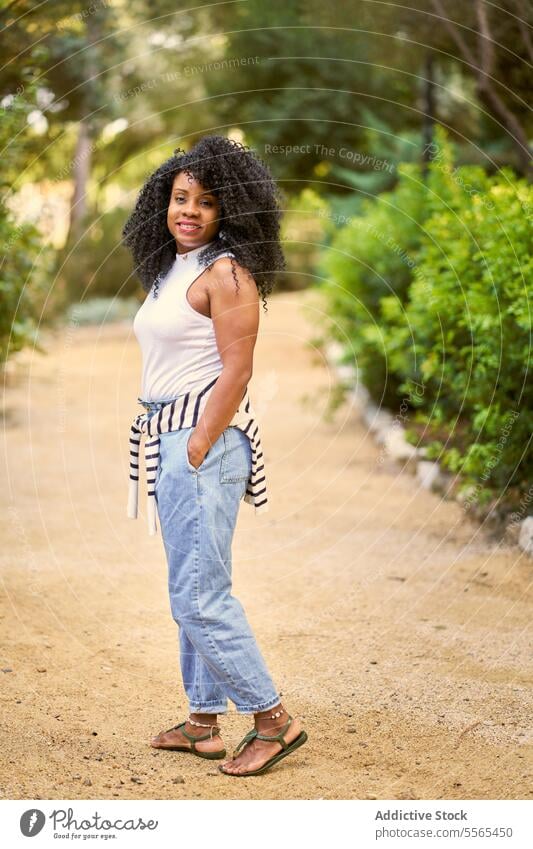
<point x="190" y="210"/>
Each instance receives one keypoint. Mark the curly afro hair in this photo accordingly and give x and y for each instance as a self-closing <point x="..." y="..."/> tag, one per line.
<point x="250" y="213"/>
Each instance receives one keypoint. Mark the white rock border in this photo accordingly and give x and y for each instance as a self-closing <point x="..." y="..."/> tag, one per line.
<point x="389" y="433"/>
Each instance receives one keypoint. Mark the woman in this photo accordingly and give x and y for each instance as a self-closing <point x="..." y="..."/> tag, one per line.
<point x="205" y="240"/>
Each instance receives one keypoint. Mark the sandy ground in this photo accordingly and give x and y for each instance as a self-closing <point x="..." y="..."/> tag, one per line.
<point x="394" y="627"/>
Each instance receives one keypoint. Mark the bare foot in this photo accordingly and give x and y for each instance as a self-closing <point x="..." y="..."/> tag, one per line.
<point x="256" y="753"/>
<point x="174" y="738"/>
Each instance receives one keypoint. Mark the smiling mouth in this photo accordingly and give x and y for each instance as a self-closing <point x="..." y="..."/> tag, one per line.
<point x="188" y="228"/>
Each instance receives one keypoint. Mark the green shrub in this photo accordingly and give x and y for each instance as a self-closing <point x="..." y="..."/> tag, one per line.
<point x="372" y="256"/>
<point x="470" y="324"/>
<point x="451" y="329"/>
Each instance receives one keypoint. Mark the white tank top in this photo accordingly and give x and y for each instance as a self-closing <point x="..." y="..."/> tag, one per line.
<point x="178" y="344"/>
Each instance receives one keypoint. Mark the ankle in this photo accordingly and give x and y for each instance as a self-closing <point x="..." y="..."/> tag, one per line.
<point x="202" y="720"/>
<point x="274" y="718"/>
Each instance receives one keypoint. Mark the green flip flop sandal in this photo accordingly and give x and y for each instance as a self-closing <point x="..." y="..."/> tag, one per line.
<point x="209" y="755"/>
<point x="280" y="738"/>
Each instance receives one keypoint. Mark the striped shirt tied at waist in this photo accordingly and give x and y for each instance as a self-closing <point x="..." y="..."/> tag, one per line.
<point x="180" y="413"/>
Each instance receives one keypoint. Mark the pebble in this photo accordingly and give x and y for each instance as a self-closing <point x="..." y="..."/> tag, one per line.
<point x="351" y="729"/>
<point x="179" y="779"/>
<point x="41" y="669"/>
<point x="136" y="779"/>
<point x="88" y="782"/>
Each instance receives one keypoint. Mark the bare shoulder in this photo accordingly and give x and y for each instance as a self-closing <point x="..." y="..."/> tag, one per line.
<point x="225" y="271"/>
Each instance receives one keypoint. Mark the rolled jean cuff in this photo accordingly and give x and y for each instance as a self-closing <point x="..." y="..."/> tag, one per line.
<point x="259" y="707"/>
<point x="208" y="707"/>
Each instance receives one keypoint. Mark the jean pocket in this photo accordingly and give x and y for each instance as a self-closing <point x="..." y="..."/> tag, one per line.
<point x="236" y="463"/>
<point x="189" y="464"/>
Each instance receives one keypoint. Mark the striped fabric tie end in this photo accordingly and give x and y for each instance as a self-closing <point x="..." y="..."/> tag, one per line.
<point x="175" y="415"/>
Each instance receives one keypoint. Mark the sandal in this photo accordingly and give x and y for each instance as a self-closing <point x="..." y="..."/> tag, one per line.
<point x="192" y="748"/>
<point x="287" y="748"/>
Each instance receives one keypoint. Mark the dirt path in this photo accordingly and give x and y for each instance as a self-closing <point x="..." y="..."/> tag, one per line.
<point x="391" y="625"/>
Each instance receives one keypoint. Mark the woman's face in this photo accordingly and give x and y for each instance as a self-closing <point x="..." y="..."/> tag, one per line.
<point x="193" y="213"/>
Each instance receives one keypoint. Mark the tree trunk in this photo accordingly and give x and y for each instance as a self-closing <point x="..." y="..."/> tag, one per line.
<point x="81" y="168"/>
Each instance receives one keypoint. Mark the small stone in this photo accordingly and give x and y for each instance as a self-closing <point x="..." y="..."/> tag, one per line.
<point x="351" y="729"/>
<point x="136" y="779"/>
<point x="7" y="669"/>
<point x="397" y="446"/>
<point x="88" y="782"/>
<point x="76" y="777"/>
<point x="41" y="669"/>
<point x="525" y="539"/>
<point x="428" y="474"/>
<point x="179" y="779"/>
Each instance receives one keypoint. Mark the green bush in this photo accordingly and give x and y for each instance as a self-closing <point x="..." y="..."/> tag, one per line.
<point x="453" y="333"/>
<point x="370" y="257"/>
<point x="470" y="325"/>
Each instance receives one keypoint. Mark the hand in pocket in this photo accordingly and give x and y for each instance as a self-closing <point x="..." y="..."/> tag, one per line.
<point x="195" y="457"/>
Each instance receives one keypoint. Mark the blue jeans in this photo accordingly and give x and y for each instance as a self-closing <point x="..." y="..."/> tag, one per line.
<point x="198" y="509"/>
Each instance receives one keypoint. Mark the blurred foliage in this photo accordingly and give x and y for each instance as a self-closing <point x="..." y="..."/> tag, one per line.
<point x="371" y="255"/>
<point x="430" y="289"/>
<point x="97" y="95"/>
<point x="26" y="267"/>
<point x="102" y="310"/>
<point x="98" y="265"/>
<point x="303" y="233"/>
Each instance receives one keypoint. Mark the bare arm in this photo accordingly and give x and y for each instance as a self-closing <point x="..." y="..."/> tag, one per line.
<point x="235" y="317"/>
